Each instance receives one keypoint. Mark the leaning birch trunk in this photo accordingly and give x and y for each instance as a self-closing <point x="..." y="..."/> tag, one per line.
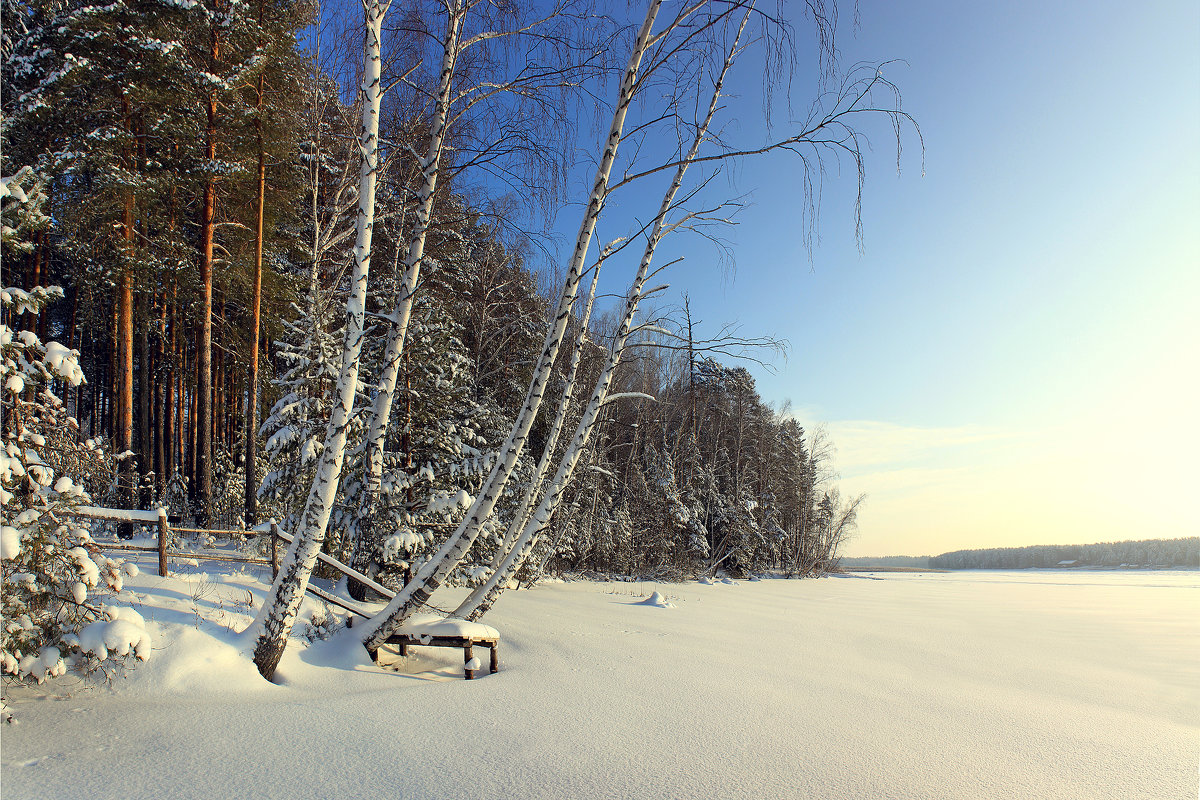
<point x="430" y="576"/>
<point x="482" y="598"/>
<point x="381" y="408"/>
<point x="275" y="619"/>
<point x="529" y="498"/>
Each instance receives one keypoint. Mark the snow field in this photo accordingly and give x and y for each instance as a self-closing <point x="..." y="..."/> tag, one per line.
<point x="964" y="685"/>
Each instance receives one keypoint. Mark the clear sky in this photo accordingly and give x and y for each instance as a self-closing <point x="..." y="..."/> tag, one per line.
<point x="1013" y="358"/>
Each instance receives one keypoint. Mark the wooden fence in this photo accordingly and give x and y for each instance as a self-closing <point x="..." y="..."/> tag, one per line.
<point x="159" y="520"/>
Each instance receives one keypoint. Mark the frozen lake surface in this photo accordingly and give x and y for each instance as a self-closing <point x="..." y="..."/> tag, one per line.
<point x="1054" y="684"/>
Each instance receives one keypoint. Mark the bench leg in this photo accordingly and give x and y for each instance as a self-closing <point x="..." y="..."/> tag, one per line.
<point x="495" y="665"/>
<point x="404" y="648"/>
<point x="468" y="654"/>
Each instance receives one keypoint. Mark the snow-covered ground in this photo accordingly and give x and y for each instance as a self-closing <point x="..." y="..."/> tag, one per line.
<point x="969" y="685"/>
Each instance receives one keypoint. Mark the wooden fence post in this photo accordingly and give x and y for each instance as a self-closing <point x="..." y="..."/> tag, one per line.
<point x="162" y="541"/>
<point x="274" y="549"/>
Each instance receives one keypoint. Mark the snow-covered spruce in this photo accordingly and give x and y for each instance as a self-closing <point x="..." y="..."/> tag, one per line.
<point x="442" y="450"/>
<point x="295" y="426"/>
<point x="54" y="582"/>
<point x="22" y="197"/>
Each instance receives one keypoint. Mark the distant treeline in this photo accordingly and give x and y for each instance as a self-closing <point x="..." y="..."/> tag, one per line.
<point x="1145" y="553"/>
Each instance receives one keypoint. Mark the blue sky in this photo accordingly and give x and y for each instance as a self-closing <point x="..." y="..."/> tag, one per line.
<point x="1012" y="359"/>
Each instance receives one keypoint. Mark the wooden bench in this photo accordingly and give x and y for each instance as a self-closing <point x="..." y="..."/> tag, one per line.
<point x="467" y="643"/>
<point x="403" y="641"/>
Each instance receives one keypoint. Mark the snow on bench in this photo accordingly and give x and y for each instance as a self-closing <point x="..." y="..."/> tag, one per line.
<point x="430" y="630"/>
<point x="428" y="625"/>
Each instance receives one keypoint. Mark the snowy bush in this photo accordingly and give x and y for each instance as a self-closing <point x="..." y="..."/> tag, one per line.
<point x="53" y="584"/>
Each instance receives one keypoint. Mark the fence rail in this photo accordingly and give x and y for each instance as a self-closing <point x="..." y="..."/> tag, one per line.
<point x="160" y="520"/>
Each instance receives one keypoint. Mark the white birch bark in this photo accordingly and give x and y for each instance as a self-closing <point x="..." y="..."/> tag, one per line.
<point x="482" y="598"/>
<point x="525" y="507"/>
<point x="381" y="408"/>
<point x="277" y="615"/>
<point x="430" y="576"/>
<point x="402" y="312"/>
<point x="529" y="498"/>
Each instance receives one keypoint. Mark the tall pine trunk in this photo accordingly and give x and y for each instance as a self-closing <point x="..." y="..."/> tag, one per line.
<point x="204" y="376"/>
<point x="193" y="428"/>
<point x="124" y="355"/>
<point x="162" y="402"/>
<point x="255" y="314"/>
<point x="220" y="366"/>
<point x="124" y="437"/>
<point x="145" y="385"/>
<point x="170" y="365"/>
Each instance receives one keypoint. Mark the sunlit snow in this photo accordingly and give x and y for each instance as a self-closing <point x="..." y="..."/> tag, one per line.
<point x="1063" y="684"/>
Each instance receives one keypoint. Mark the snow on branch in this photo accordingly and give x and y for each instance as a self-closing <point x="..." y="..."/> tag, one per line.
<point x="612" y="398"/>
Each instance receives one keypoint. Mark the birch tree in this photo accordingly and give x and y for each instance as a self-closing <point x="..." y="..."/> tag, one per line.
<point x="698" y="27"/>
<point x="534" y="488"/>
<point x="278" y="613"/>
<point x="401" y="315"/>
<point x="482" y="598"/>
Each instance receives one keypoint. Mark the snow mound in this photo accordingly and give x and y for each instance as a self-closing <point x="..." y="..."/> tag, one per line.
<point x="657" y="600"/>
<point x="10" y="542"/>
<point x="190" y="660"/>
<point x="309" y="667"/>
